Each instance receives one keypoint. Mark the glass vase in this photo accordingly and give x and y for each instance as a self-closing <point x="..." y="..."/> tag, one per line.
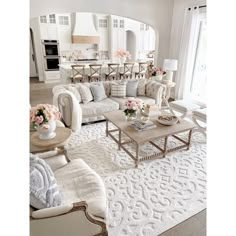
<point x="131" y="116"/>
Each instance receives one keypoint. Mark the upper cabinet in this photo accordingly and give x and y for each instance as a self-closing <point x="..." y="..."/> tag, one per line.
<point x="48" y="27"/>
<point x="64" y="32"/>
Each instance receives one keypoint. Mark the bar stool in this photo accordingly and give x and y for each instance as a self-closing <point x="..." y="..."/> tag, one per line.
<point x="142" y="69"/>
<point x="78" y="73"/>
<point x="128" y="70"/>
<point x="95" y="72"/>
<point x="113" y="71"/>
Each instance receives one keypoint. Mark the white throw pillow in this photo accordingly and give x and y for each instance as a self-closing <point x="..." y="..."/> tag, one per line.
<point x="118" y="89"/>
<point x="85" y="93"/>
<point x="141" y="87"/>
<point x="75" y="90"/>
<point x="43" y="186"/>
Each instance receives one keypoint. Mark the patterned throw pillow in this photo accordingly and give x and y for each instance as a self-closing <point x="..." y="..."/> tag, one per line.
<point x="118" y="89"/>
<point x="43" y="187"/>
<point x="85" y="93"/>
<point x="141" y="87"/>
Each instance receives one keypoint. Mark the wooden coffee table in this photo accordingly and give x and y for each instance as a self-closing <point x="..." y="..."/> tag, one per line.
<point x="117" y="118"/>
<point x="39" y="145"/>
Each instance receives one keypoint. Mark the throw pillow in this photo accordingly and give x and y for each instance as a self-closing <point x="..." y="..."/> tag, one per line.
<point x="118" y="89"/>
<point x="141" y="87"/>
<point x="98" y="92"/>
<point x="131" y="88"/>
<point x="75" y="91"/>
<point x="43" y="187"/>
<point x="85" y="93"/>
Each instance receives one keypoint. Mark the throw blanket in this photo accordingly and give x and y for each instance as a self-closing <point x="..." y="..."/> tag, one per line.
<point x="43" y="187"/>
<point x="76" y="118"/>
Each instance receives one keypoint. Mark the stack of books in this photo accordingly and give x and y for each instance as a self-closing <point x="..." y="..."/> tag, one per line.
<point x="140" y="126"/>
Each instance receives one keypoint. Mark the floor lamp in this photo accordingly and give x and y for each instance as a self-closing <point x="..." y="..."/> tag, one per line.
<point x="169" y="66"/>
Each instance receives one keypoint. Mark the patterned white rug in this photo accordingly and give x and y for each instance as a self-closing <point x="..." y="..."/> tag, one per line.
<point x="152" y="198"/>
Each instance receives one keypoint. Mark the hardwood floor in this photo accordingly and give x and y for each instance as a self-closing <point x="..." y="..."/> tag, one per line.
<point x="193" y="226"/>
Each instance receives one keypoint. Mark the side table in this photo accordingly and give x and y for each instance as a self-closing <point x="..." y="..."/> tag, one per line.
<point x="166" y="95"/>
<point x="39" y="145"/>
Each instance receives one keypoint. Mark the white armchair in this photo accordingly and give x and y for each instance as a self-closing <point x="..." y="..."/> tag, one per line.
<point x="84" y="210"/>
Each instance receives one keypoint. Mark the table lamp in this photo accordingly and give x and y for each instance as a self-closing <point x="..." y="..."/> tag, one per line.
<point x="169" y="66"/>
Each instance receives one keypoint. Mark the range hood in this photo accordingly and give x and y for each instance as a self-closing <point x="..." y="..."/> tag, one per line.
<point x="84" y="30"/>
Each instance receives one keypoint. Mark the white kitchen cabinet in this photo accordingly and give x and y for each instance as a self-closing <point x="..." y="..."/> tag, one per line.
<point x="103" y="33"/>
<point x="64" y="32"/>
<point x="52" y="76"/>
<point x="48" y="27"/>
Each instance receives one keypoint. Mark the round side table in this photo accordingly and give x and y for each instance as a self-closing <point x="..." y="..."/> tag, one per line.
<point x="38" y="145"/>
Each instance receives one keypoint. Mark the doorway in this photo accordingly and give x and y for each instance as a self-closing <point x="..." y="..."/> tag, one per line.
<point x="131" y="44"/>
<point x="33" y="64"/>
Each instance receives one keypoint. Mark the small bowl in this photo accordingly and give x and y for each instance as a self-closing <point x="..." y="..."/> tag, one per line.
<point x="167" y="119"/>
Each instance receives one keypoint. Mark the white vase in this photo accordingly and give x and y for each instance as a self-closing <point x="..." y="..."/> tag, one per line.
<point x="46" y="131"/>
<point x="122" y="60"/>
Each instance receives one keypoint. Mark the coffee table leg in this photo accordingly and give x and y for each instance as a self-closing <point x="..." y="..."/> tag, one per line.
<point x="119" y="139"/>
<point x="106" y="127"/>
<point x="137" y="152"/>
<point x="189" y="138"/>
<point x="165" y="145"/>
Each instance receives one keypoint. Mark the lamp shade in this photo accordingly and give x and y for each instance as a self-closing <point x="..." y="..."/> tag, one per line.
<point x="170" y="64"/>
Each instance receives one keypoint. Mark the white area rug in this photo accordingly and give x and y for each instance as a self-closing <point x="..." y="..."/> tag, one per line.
<point x="152" y="198"/>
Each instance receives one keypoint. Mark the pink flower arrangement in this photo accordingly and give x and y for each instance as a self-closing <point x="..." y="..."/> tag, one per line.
<point x="122" y="53"/>
<point x="42" y="114"/>
<point x="132" y="105"/>
<point x="158" y="71"/>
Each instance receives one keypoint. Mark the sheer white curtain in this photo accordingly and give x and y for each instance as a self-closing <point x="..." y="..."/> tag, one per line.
<point x="187" y="52"/>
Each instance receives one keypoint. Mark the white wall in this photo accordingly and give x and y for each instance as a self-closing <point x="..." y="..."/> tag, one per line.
<point x="157" y="13"/>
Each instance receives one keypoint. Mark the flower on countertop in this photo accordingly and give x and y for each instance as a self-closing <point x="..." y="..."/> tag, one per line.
<point x="132" y="105"/>
<point x="122" y="53"/>
<point x="42" y="114"/>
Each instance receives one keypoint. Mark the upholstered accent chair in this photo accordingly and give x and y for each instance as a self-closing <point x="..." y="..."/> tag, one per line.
<point x="84" y="207"/>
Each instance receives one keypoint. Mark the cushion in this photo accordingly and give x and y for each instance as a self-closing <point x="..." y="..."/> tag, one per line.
<point x="201" y="113"/>
<point x="131" y="88"/>
<point x="183" y="105"/>
<point x="75" y="91"/>
<point x="98" y="92"/>
<point x="78" y="182"/>
<point x="141" y="87"/>
<point x="118" y="89"/>
<point x="85" y="93"/>
<point x="43" y="187"/>
<point x="107" y="87"/>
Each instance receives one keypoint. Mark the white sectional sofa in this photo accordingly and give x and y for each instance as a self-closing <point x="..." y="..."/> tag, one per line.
<point x="75" y="111"/>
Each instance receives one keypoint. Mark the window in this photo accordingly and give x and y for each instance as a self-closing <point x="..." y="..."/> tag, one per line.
<point x="63" y="20"/>
<point x="43" y="19"/>
<point x="115" y="23"/>
<point x="197" y="85"/>
<point x="122" y="24"/>
<point x="52" y="19"/>
<point x="102" y="23"/>
<point x="147" y="27"/>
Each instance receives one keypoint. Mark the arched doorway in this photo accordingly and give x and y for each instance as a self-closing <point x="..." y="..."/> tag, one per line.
<point x="33" y="64"/>
<point x="131" y="44"/>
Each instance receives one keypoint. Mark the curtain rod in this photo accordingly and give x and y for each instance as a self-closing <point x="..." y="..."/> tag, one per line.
<point x="196" y="7"/>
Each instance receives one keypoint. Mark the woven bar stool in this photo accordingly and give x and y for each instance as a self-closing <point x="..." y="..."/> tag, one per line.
<point x="95" y="72"/>
<point x="78" y="73"/>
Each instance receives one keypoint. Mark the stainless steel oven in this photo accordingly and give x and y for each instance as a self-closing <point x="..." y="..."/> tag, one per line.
<point x="51" y="62"/>
<point x="51" y="54"/>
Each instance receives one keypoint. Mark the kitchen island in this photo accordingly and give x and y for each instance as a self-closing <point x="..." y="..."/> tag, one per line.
<point x="66" y="70"/>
